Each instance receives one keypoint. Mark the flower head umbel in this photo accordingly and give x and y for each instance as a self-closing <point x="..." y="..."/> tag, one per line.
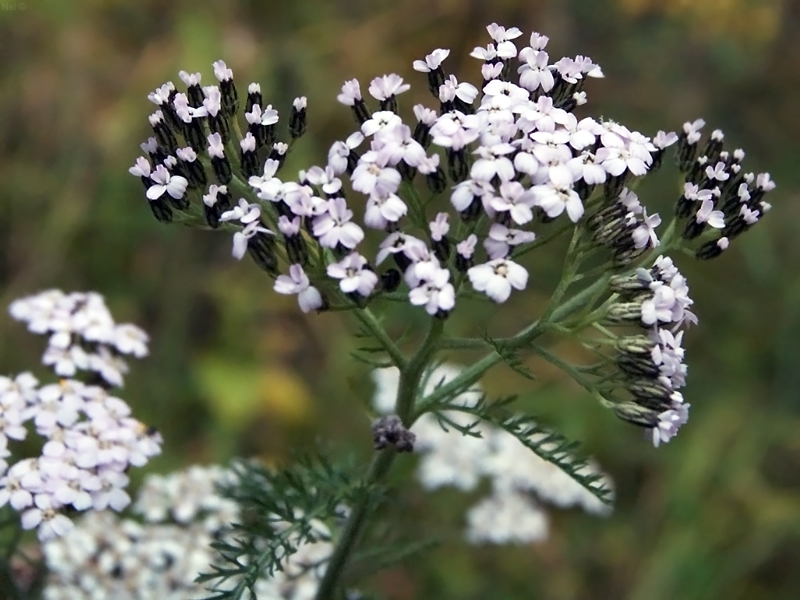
<point x="90" y="440"/>
<point x="435" y="207"/>
<point x="460" y="196"/>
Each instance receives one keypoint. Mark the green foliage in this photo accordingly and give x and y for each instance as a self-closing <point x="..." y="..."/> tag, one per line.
<point x="511" y="357"/>
<point x="279" y="508"/>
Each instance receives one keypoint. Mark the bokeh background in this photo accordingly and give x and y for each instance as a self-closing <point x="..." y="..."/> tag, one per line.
<point x="237" y="370"/>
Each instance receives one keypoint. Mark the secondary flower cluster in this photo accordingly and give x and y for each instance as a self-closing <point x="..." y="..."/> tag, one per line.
<point x="510" y="513"/>
<point x="161" y="556"/>
<point x="718" y="193"/>
<point x="89" y="438"/>
<point x="651" y="364"/>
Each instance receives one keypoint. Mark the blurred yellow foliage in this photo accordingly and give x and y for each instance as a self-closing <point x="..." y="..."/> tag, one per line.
<point x="749" y="21"/>
<point x="237" y="393"/>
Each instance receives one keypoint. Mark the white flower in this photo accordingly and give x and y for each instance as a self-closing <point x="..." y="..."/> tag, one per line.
<point x="465" y="193"/>
<point x="534" y="73"/>
<point x="334" y="227"/>
<point x="424" y="265"/>
<point x="245" y="213"/>
<point x="383" y="119"/>
<point x="432" y="61"/>
<point x="557" y="196"/>
<point x="353" y="275"/>
<point x="497" y="277"/>
<point x="130" y="339"/>
<point x="51" y="523"/>
<point x="174" y="185"/>
<point x="267" y="185"/>
<point x="717" y="172"/>
<point x="664" y="139"/>
<point x="382" y="211"/>
<point x="20" y="483"/>
<point x="386" y="86"/>
<point x="707" y="214"/>
<point x="16" y="393"/>
<point x="617" y="160"/>
<point x="340" y="152"/>
<point x="692" y="130"/>
<point x="398" y="243"/>
<point x="466" y="248"/>
<point x="585" y="167"/>
<point x="324" y="178"/>
<point x="493" y="163"/>
<point x="451" y="89"/>
<point x="669" y="422"/>
<point x="515" y="200"/>
<point x="351" y="92"/>
<point x="395" y="144"/>
<point x="308" y="297"/>
<point x="693" y="192"/>
<point x="66" y="362"/>
<point x="455" y="130"/>
<point x="439" y="227"/>
<point x="645" y="232"/>
<point x="500" y="34"/>
<point x="242" y="238"/>
<point x="372" y="176"/>
<point x="221" y="71"/>
<point x="141" y="168"/>
<point x="501" y="237"/>
<point x="436" y="293"/>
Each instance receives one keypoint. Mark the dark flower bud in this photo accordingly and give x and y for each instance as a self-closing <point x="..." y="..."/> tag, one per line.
<point x="390" y="280"/>
<point x="390" y="431"/>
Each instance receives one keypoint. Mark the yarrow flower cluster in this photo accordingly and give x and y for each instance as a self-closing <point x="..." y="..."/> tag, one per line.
<point x="520" y="480"/>
<point x="517" y="163"/>
<point x="162" y="548"/>
<point x="420" y="209"/>
<point x="90" y="439"/>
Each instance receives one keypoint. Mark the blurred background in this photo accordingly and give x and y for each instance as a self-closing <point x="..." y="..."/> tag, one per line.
<point x="237" y="370"/>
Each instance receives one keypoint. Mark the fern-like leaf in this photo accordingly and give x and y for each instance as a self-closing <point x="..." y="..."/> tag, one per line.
<point x="280" y="509"/>
<point x="546" y="444"/>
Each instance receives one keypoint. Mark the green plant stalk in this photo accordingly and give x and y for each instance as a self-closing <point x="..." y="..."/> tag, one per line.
<point x="377" y="473"/>
<point x="371" y="322"/>
<point x="410" y="377"/>
<point x="381" y="464"/>
<point x="521" y="339"/>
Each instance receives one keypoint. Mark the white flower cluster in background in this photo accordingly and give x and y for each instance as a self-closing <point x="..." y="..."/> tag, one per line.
<point x="89" y="438"/>
<point x="520" y="480"/>
<point x="82" y="334"/>
<point x="160" y="556"/>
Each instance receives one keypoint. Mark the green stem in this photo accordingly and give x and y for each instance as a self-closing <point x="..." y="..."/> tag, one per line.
<point x="377" y="473"/>
<point x="410" y="376"/>
<point x="523" y="249"/>
<point x="370" y="322"/>
<point x="571" y="370"/>
<point x="522" y="339"/>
